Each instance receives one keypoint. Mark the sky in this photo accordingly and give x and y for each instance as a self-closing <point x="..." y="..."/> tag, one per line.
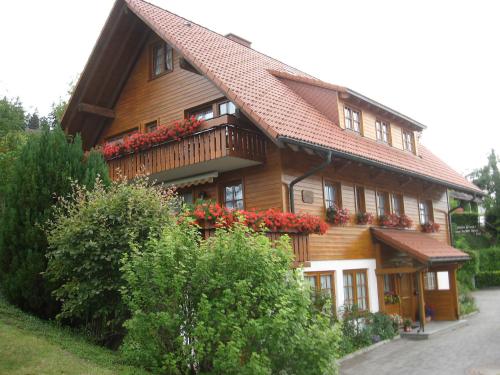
<point x="435" y="61"/>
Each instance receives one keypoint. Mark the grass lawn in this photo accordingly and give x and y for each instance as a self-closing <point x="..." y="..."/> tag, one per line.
<point x="30" y="346"/>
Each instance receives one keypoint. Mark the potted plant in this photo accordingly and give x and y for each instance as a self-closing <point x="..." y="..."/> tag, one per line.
<point x="389" y="220"/>
<point x="405" y="221"/>
<point x="430" y="227"/>
<point x="337" y="216"/>
<point x="364" y="218"/>
<point x="407" y="325"/>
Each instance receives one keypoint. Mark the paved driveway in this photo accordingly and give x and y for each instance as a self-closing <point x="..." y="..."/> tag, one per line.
<point x="473" y="349"/>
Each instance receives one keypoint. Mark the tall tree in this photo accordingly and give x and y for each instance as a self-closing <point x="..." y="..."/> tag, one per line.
<point x="488" y="179"/>
<point x="44" y="169"/>
<point x="12" y="116"/>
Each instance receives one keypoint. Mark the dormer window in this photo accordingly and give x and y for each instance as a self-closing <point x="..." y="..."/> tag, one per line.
<point x="205" y="113"/>
<point x="352" y="119"/>
<point x="382" y="130"/>
<point x="162" y="61"/>
<point x="408" y="141"/>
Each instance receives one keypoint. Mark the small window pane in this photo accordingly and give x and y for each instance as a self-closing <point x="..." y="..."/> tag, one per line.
<point x="227" y="108"/>
<point x="330" y="195"/>
<point x="311" y="280"/>
<point x="443" y="280"/>
<point x="168" y="58"/>
<point x="430" y="281"/>
<point x="360" y="199"/>
<point x="204" y="114"/>
<point x="187" y="197"/>
<point x="233" y="196"/>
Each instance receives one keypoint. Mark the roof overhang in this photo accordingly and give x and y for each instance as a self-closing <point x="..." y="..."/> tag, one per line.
<point x="375" y="163"/>
<point x="419" y="246"/>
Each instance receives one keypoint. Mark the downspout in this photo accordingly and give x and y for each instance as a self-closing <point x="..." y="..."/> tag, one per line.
<point x="323" y="165"/>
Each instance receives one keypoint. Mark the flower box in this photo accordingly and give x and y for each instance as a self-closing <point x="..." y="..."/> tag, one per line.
<point x="143" y="141"/>
<point x="430" y="227"/>
<point x="364" y="218"/>
<point x="395" y="221"/>
<point x="337" y="216"/>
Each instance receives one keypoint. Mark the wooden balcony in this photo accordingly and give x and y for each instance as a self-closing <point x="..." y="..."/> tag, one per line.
<point x="220" y="148"/>
<point x="298" y="241"/>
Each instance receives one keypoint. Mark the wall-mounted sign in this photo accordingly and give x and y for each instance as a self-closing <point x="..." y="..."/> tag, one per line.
<point x="307" y="196"/>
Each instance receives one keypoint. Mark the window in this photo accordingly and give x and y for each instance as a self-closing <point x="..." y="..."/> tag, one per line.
<point x="205" y="113"/>
<point x="120" y="137"/>
<point x="322" y="283"/>
<point x="151" y="126"/>
<point x="382" y="203"/>
<point x="437" y="280"/>
<point x="332" y="194"/>
<point x="356" y="289"/>
<point x="227" y="108"/>
<point x="359" y="193"/>
<point x="389" y="284"/>
<point x="233" y="196"/>
<point x="425" y="211"/>
<point x="162" y="59"/>
<point x="408" y="141"/>
<point x="397" y="204"/>
<point x="382" y="130"/>
<point x="352" y="119"/>
<point x="430" y="281"/>
<point x="187" y="196"/>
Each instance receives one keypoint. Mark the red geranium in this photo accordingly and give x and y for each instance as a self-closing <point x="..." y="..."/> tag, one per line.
<point x="142" y="141"/>
<point x="276" y="221"/>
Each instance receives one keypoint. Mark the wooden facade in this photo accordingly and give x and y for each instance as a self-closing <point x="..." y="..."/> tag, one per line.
<point x="236" y="149"/>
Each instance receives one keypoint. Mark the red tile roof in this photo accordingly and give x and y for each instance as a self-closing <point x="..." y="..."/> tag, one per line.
<point x="419" y="245"/>
<point x="253" y="81"/>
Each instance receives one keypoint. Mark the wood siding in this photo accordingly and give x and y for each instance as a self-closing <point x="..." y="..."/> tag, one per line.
<point x="368" y="119"/>
<point x="164" y="99"/>
<point x="354" y="241"/>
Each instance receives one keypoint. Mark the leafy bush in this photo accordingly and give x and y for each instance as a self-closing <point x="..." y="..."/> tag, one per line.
<point x="466" y="301"/>
<point x="488" y="278"/>
<point x="362" y="328"/>
<point x="489" y="259"/>
<point x="469" y="270"/>
<point x="91" y="232"/>
<point x="41" y="170"/>
<point x="230" y="305"/>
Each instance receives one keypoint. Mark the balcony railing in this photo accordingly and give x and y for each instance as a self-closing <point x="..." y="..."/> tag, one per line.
<point x="298" y="241"/>
<point x="210" y="144"/>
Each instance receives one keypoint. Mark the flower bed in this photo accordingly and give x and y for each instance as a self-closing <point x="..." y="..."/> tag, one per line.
<point x="143" y="141"/>
<point x="274" y="220"/>
<point x="391" y="298"/>
<point x="395" y="221"/>
<point x="337" y="216"/>
<point x="430" y="227"/>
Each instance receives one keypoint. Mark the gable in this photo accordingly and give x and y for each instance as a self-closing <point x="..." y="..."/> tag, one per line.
<point x="163" y="99"/>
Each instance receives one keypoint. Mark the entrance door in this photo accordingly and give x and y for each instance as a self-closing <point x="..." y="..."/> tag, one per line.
<point x="406" y="294"/>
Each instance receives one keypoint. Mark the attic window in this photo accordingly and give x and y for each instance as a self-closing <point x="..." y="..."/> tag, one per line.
<point x="161" y="59"/>
<point x="352" y="119"/>
<point x="408" y="141"/>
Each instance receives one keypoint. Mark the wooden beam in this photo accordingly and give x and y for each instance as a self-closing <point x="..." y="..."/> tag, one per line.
<point x="293" y="147"/>
<point x="184" y="64"/>
<point x="387" y="271"/>
<point x="96" y="110"/>
<point x="405" y="182"/>
<point x="376" y="172"/>
<point x="344" y="165"/>
<point x="421" y="300"/>
<point x="308" y="151"/>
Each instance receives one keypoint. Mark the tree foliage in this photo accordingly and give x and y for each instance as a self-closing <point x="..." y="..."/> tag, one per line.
<point x="488" y="179"/>
<point x="228" y="305"/>
<point x="91" y="232"/>
<point x="42" y="170"/>
<point x="12" y="116"/>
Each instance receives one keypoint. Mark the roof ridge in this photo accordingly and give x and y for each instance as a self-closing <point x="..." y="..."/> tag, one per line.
<point x="223" y="36"/>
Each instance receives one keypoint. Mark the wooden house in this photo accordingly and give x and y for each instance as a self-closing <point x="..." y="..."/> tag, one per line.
<point x="276" y="137"/>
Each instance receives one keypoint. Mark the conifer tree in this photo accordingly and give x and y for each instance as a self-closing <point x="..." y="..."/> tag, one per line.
<point x="44" y="169"/>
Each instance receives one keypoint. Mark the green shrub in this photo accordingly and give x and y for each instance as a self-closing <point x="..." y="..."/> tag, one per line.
<point x="91" y="233"/>
<point x="362" y="328"/>
<point x="42" y="169"/>
<point x="230" y="305"/>
<point x="488" y="278"/>
<point x="469" y="270"/>
<point x="466" y="301"/>
<point x="489" y="259"/>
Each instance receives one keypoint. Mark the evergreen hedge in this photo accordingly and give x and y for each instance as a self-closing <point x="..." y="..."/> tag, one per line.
<point x="44" y="169"/>
<point x="488" y="279"/>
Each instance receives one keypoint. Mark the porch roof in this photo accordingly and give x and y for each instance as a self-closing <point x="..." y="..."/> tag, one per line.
<point x="420" y="246"/>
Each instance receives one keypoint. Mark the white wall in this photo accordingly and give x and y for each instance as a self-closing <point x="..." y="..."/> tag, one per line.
<point x="349" y="264"/>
